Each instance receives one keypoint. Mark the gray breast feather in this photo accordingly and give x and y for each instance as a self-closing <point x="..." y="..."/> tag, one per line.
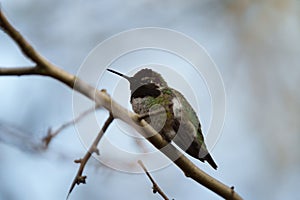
<point x="176" y="108"/>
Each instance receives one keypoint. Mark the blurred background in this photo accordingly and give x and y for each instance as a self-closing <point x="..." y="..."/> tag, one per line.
<point x="254" y="44"/>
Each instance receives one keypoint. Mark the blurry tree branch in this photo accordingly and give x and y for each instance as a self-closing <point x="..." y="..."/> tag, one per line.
<point x="51" y="134"/>
<point x="155" y="186"/>
<point x="101" y="98"/>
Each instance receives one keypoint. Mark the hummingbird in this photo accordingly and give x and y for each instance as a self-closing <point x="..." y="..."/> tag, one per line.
<point x="168" y="112"/>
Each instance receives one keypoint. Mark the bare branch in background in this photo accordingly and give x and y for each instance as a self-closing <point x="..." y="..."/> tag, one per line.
<point x="101" y="98"/>
<point x="51" y="134"/>
<point x="23" y="140"/>
<point x="79" y="178"/>
<point x="155" y="186"/>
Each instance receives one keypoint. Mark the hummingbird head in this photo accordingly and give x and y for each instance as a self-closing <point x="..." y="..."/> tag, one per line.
<point x="148" y="76"/>
<point x="145" y="82"/>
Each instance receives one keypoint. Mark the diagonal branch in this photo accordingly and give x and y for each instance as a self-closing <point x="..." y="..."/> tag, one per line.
<point x="101" y="98"/>
<point x="79" y="178"/>
<point x="43" y="66"/>
<point x="51" y="134"/>
<point x="25" y="46"/>
<point x="155" y="187"/>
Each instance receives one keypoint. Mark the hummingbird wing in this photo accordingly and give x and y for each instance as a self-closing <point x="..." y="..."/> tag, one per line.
<point x="189" y="135"/>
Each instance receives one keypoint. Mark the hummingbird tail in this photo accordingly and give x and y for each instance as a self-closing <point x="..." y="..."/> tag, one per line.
<point x="210" y="161"/>
<point x="201" y="154"/>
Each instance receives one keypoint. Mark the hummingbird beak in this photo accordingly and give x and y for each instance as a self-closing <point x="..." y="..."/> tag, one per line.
<point x="122" y="75"/>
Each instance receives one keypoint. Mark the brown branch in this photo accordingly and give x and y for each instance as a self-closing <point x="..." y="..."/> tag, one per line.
<point x="19" y="71"/>
<point x="51" y="134"/>
<point x="79" y="178"/>
<point x="25" y="46"/>
<point x="101" y="98"/>
<point x="155" y="186"/>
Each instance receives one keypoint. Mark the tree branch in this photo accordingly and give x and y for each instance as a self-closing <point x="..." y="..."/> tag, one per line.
<point x="93" y="149"/>
<point x="50" y="135"/>
<point x="25" y="47"/>
<point x="20" y="71"/>
<point x="103" y="99"/>
<point x="155" y="186"/>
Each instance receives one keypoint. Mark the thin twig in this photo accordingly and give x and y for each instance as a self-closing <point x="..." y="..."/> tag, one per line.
<point x="155" y="186"/>
<point x="79" y="178"/>
<point x="51" y="134"/>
